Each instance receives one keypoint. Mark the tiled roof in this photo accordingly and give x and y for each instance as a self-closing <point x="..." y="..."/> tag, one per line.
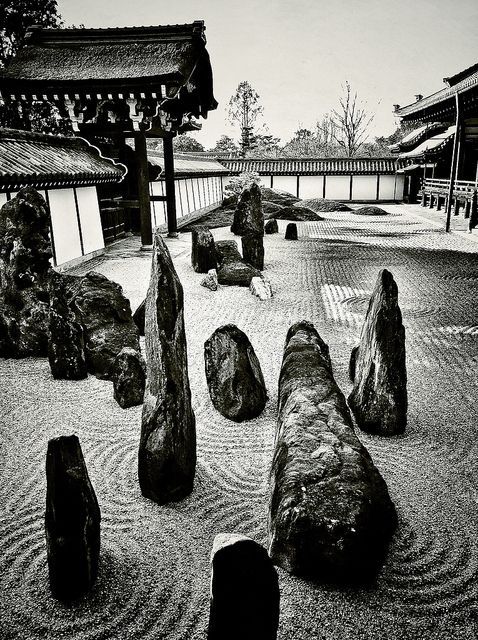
<point x="40" y="160"/>
<point x="417" y="136"/>
<point x="186" y="164"/>
<point x="431" y="146"/>
<point x="114" y="60"/>
<point x="464" y="84"/>
<point x="310" y="166"/>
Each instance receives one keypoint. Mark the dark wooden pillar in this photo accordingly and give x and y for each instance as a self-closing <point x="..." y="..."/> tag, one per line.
<point x="143" y="190"/>
<point x="454" y="163"/>
<point x="169" y="181"/>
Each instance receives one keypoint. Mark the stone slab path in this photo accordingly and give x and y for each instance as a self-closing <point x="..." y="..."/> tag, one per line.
<point x="154" y="578"/>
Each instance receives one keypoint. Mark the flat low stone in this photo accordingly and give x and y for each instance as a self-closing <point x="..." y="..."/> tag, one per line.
<point x="138" y="317"/>
<point x="72" y="520"/>
<point x="248" y="216"/>
<point x="245" y="596"/>
<point x="370" y="211"/>
<point x="167" y="449"/>
<point x="210" y="281"/>
<point x="271" y="226"/>
<point x="66" y="346"/>
<point x="253" y="250"/>
<point x="298" y="214"/>
<point x="233" y="373"/>
<point x="129" y="378"/>
<point x="232" y="269"/>
<point x="203" y="250"/>
<point x="291" y="231"/>
<point x="379" y="398"/>
<point x="105" y="315"/>
<point x="261" y="288"/>
<point x="330" y="517"/>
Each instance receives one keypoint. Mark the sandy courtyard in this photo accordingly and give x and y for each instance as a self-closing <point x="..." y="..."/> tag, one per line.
<point x="154" y="573"/>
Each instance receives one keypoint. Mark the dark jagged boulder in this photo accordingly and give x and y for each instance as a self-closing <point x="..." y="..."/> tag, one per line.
<point x="25" y="253"/>
<point x="138" y="317"/>
<point x="276" y="196"/>
<point x="253" y="250"/>
<point x="232" y="270"/>
<point x="167" y="450"/>
<point x="331" y="517"/>
<point x="233" y="373"/>
<point x="129" y="378"/>
<point x="370" y="211"/>
<point x="203" y="251"/>
<point x="245" y="597"/>
<point x="379" y="396"/>
<point x="105" y="315"/>
<point x="291" y="231"/>
<point x="72" y="520"/>
<point x="66" y="347"/>
<point x="271" y="226"/>
<point x="248" y="216"/>
<point x="298" y="214"/>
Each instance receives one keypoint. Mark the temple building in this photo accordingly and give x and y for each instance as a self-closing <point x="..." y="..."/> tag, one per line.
<point x="440" y="156"/>
<point x="115" y="84"/>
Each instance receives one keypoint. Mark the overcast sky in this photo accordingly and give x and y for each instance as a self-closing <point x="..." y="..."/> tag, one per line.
<point x="298" y="53"/>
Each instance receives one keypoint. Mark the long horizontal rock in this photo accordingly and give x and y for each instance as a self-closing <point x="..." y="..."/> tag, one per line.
<point x="330" y="515"/>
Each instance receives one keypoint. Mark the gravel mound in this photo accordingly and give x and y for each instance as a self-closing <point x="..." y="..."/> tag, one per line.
<point x="277" y="196"/>
<point x="297" y="213"/>
<point x="321" y="204"/>
<point x="370" y="211"/>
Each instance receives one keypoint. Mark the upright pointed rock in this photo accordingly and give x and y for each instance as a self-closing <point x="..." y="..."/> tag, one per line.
<point x="253" y="250"/>
<point x="248" y="216"/>
<point x="167" y="450"/>
<point x="203" y="249"/>
<point x="379" y="395"/>
<point x="244" y="591"/>
<point x="72" y="520"/>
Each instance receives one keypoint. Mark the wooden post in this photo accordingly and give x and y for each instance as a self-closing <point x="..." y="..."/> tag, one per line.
<point x="169" y="181"/>
<point x="454" y="163"/>
<point x="143" y="190"/>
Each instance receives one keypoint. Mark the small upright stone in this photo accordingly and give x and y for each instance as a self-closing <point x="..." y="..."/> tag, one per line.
<point x="138" y="317"/>
<point x="203" y="251"/>
<point x="210" y="281"/>
<point x="248" y="216"/>
<point x="129" y="378"/>
<point x="271" y="226"/>
<point x="379" y="396"/>
<point x="233" y="374"/>
<point x="253" y="250"/>
<point x="167" y="449"/>
<point x="66" y="347"/>
<point x="245" y="596"/>
<point x="291" y="231"/>
<point x="261" y="288"/>
<point x="72" y="520"/>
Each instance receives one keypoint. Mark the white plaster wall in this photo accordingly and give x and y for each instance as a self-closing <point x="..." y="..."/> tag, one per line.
<point x="364" y="188"/>
<point x="286" y="183"/>
<point x="337" y="187"/>
<point x="399" y="187"/>
<point x="3" y="199"/>
<point x="65" y="225"/>
<point x="158" y="209"/>
<point x="90" y="219"/>
<point x="311" y="187"/>
<point x="387" y="188"/>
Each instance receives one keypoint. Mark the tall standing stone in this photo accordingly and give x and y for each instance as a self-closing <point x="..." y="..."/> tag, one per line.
<point x="138" y="317"/>
<point x="245" y="593"/>
<point x="331" y="517"/>
<point x="72" y="520"/>
<point x="253" y="250"/>
<point x="167" y="450"/>
<point x="66" y="347"/>
<point x="203" y="249"/>
<point x="25" y="253"/>
<point x="248" y="216"/>
<point x="379" y="396"/>
<point x="233" y="373"/>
